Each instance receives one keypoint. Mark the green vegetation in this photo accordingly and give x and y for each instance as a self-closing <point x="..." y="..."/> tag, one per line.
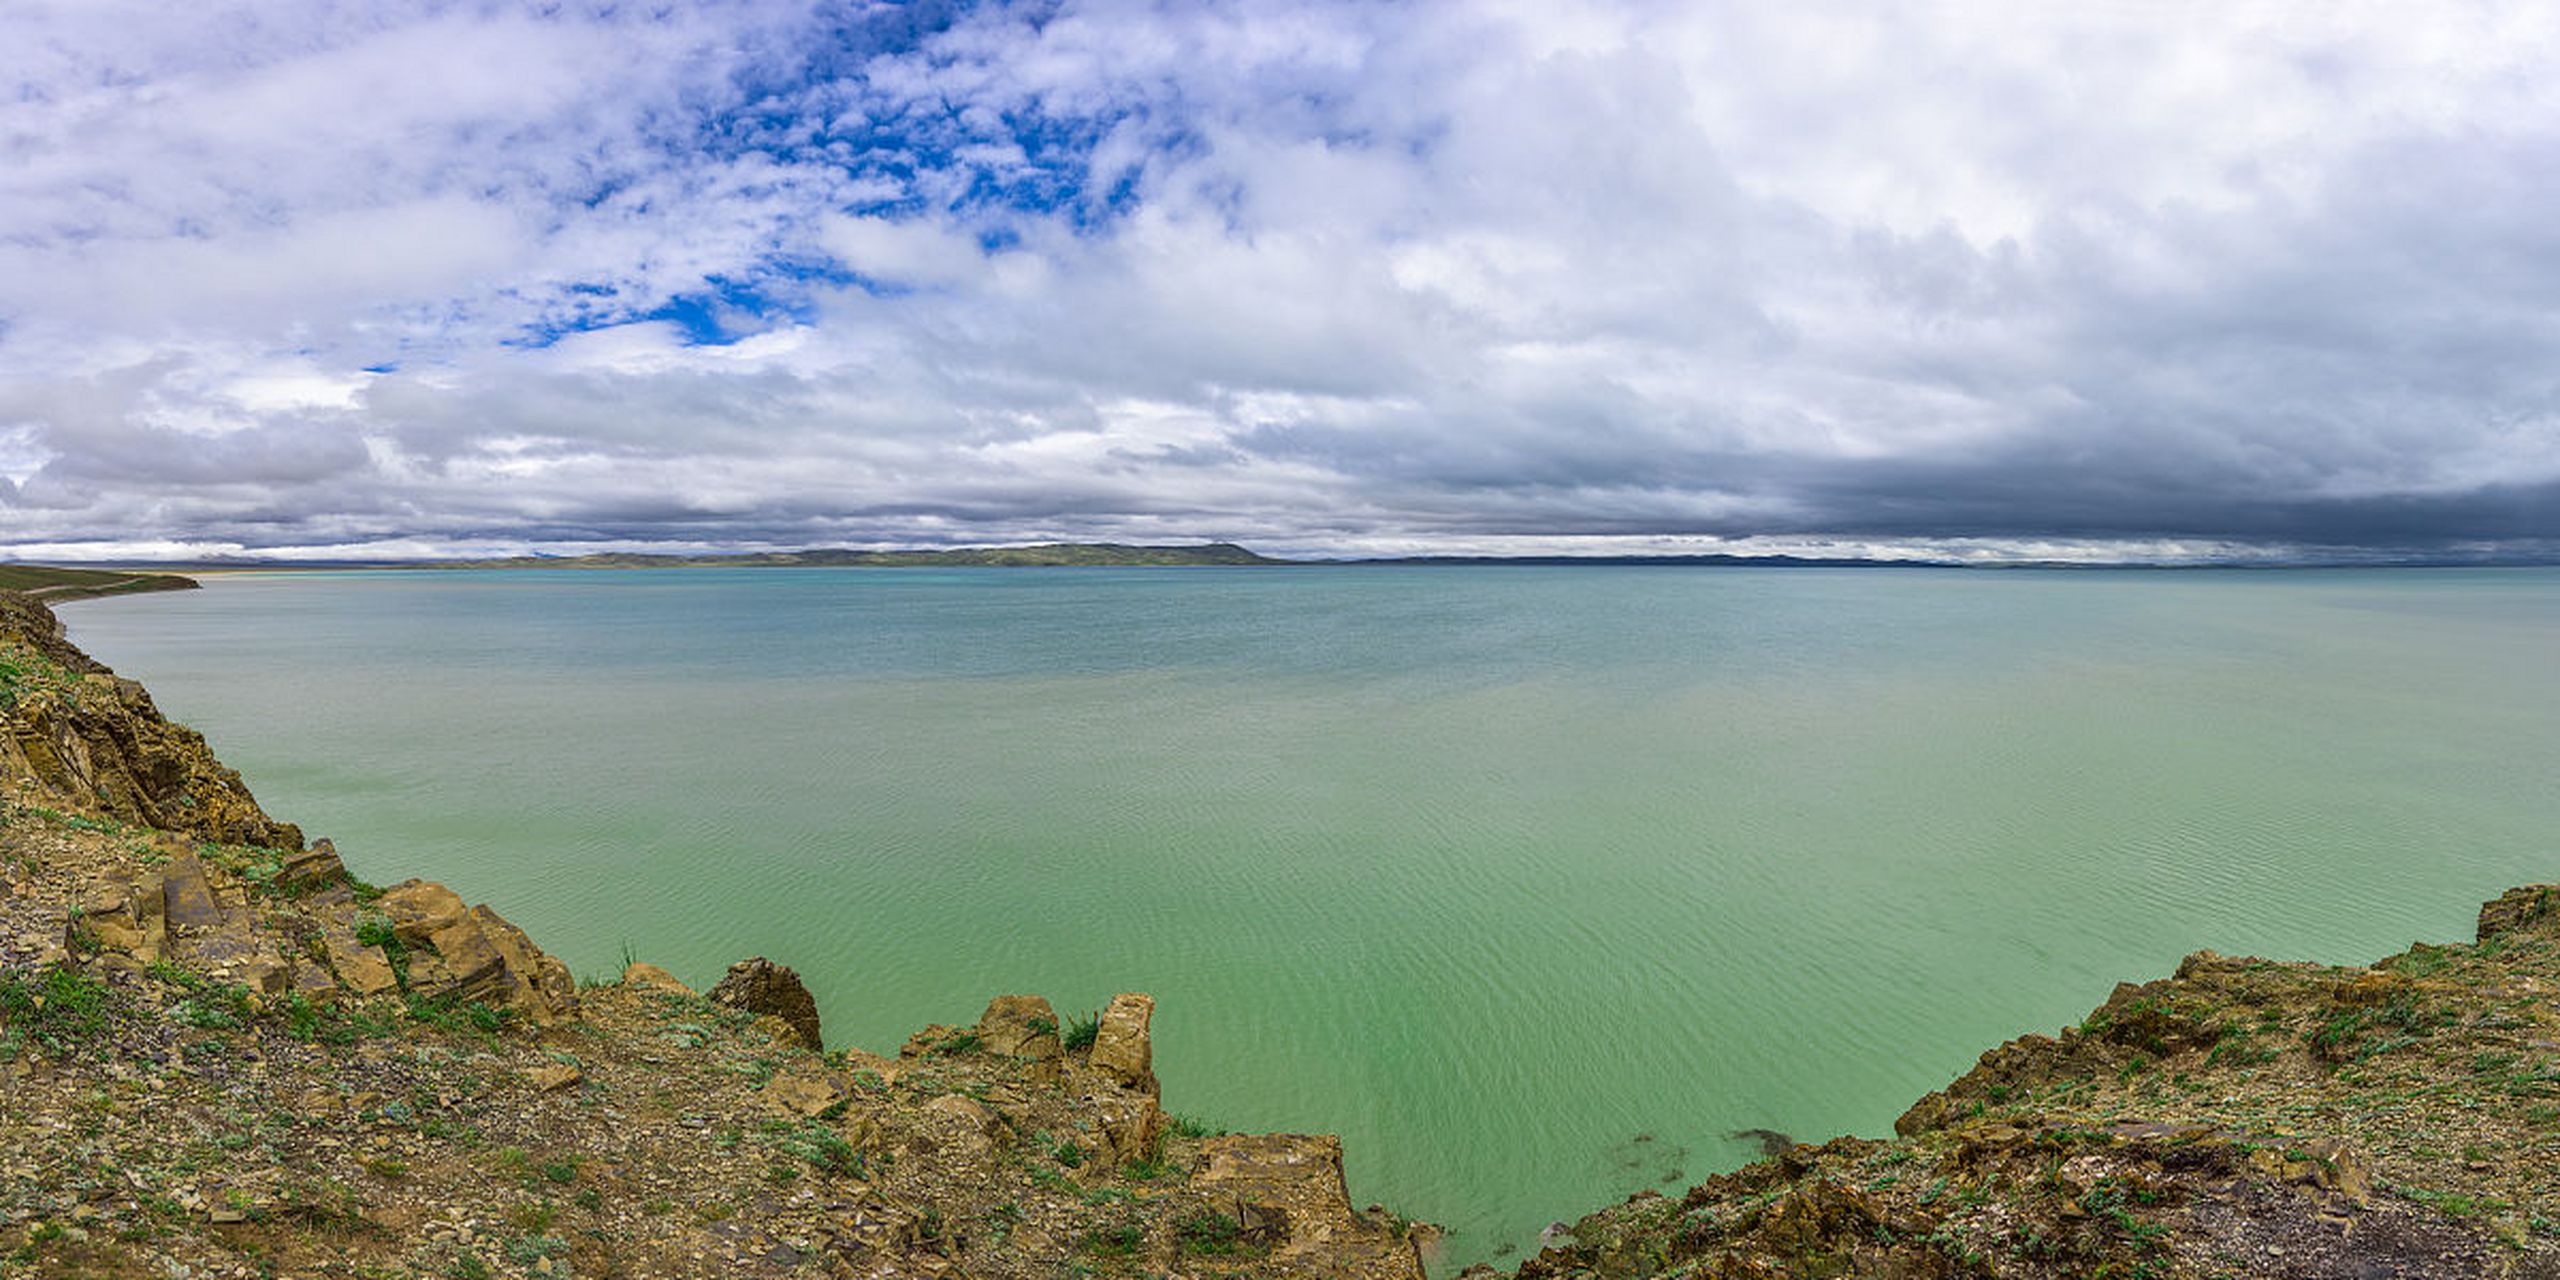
<point x="24" y="671"/>
<point x="62" y="1012"/>
<point x="1191" y="1126"/>
<point x="1210" y="1232"/>
<point x="1118" y="1240"/>
<point x="2455" y="1205"/>
<point x="1081" y="1031"/>
<point x="823" y="1148"/>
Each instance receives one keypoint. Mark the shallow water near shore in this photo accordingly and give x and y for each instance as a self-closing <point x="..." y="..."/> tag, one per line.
<point x="1536" y="884"/>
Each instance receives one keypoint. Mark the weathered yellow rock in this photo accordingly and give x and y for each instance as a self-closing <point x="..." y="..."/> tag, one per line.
<point x="1020" y="1027"/>
<point x="1131" y="1126"/>
<point x="363" y="969"/>
<point x="317" y="867"/>
<point x="186" y="898"/>
<point x="467" y="954"/>
<point x="546" y="988"/>
<point x="1288" y="1193"/>
<point x="420" y="909"/>
<point x="112" y="915"/>
<point x="649" y="977"/>
<point x="557" y="1075"/>
<point x="1122" y="1049"/>
<point x="97" y="743"/>
<point x="802" y="1089"/>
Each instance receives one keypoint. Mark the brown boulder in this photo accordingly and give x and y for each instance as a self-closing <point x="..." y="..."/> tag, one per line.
<point x="1019" y="1027"/>
<point x="554" y="1076"/>
<point x="420" y="909"/>
<point x="186" y="897"/>
<point x="760" y="986"/>
<point x="312" y="869"/>
<point x="363" y="969"/>
<point x="802" y="1089"/>
<point x="114" y="916"/>
<point x="1122" y="1049"/>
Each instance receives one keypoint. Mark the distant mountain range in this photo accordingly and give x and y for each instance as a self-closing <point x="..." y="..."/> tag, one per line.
<point x="1053" y="553"/>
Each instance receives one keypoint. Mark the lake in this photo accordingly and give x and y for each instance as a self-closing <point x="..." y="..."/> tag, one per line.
<point x="1534" y="883"/>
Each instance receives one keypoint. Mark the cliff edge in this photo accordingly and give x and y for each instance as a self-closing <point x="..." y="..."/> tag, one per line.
<point x="2243" y="1118"/>
<point x="223" y="1055"/>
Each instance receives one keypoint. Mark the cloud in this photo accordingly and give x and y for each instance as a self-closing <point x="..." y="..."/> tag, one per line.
<point x="1320" y="276"/>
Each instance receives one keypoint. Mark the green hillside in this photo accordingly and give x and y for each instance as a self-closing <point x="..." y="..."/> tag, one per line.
<point x="67" y="584"/>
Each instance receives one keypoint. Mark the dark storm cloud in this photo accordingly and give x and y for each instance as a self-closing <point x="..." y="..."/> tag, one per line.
<point x="1322" y="277"/>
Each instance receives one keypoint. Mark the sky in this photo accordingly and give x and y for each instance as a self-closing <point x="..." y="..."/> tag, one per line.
<point x="2090" y="280"/>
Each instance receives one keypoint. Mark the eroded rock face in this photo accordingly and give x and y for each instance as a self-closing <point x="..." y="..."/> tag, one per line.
<point x="759" y="986"/>
<point x="96" y="742"/>
<point x="2518" y="908"/>
<point x="1289" y="1198"/>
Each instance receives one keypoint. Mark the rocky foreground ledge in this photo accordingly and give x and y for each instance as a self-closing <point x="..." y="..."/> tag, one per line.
<point x="222" y="1055"/>
<point x="2244" y="1118"/>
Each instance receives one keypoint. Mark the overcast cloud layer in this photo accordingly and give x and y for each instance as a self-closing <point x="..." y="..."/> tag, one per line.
<point x="1992" y="279"/>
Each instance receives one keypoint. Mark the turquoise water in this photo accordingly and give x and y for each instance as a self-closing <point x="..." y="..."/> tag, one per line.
<point x="1488" y="869"/>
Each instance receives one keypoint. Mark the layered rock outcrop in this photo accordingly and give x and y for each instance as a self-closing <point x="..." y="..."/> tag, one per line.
<point x="759" y="986"/>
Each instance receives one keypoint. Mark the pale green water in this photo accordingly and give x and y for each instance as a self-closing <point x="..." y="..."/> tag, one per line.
<point x="1488" y="869"/>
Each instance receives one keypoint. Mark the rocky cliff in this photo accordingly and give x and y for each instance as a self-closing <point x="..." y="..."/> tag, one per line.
<point x="222" y="1055"/>
<point x="2243" y="1118"/>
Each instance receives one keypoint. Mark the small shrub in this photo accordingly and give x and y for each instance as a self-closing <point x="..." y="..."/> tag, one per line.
<point x="1210" y="1232"/>
<point x="374" y="930"/>
<point x="823" y="1148"/>
<point x="1082" y="1030"/>
<point x="529" y="1250"/>
<point x="1192" y="1127"/>
<point x="63" y="1012"/>
<point x="1118" y="1240"/>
